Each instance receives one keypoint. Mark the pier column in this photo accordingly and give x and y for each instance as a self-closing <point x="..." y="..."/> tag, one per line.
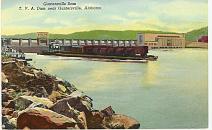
<point x="118" y="42"/>
<point x="38" y="41"/>
<point x="10" y="41"/>
<point x="134" y="43"/>
<point x="86" y="42"/>
<point x="130" y="42"/>
<point x="92" y="42"/>
<point x="63" y="41"/>
<point x="78" y="42"/>
<point x="29" y="42"/>
<point x="112" y="41"/>
<point x="104" y="42"/>
<point x="89" y="42"/>
<point x="125" y="43"/>
<point x="81" y="43"/>
<point x="71" y="42"/>
<point x="107" y="43"/>
<point x="99" y="42"/>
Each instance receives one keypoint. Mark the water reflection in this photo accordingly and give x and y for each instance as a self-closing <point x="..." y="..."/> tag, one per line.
<point x="150" y="74"/>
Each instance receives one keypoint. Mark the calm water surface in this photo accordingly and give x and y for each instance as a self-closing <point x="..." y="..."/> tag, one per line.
<point x="168" y="93"/>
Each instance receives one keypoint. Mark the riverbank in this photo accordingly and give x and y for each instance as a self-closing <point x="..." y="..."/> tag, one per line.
<point x="33" y="99"/>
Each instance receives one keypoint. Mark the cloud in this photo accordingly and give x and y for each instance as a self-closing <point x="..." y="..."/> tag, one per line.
<point x="56" y="22"/>
<point x="134" y="14"/>
<point x="182" y="8"/>
<point x="118" y="18"/>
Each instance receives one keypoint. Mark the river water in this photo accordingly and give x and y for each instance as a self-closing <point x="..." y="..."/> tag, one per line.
<point x="169" y="93"/>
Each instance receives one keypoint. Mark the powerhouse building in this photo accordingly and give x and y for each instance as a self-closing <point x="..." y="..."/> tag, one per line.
<point x="161" y="40"/>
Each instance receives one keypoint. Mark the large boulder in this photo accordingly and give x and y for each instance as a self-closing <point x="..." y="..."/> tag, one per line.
<point x="74" y="107"/>
<point x="107" y="119"/>
<point x="94" y="120"/>
<point x="62" y="88"/>
<point x="86" y="99"/>
<point x="117" y="121"/>
<point x="23" y="102"/>
<point x="108" y="111"/>
<point x="40" y="118"/>
<point x="64" y="106"/>
<point x="15" y="75"/>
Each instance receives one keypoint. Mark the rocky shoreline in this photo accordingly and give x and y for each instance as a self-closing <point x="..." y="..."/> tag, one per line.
<point x="35" y="100"/>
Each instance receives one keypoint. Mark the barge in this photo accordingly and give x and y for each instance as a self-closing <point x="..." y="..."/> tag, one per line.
<point x="103" y="52"/>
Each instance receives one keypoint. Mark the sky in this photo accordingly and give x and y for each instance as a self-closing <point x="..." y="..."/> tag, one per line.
<point x="162" y="15"/>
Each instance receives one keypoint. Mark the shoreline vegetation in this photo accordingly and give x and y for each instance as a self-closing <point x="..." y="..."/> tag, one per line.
<point x="36" y="100"/>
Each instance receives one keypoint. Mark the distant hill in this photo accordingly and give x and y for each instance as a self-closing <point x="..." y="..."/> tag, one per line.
<point x="111" y="35"/>
<point x="95" y="34"/>
<point x="27" y="35"/>
<point x="195" y="34"/>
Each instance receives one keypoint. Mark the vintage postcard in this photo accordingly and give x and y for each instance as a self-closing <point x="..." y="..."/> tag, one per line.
<point x="104" y="64"/>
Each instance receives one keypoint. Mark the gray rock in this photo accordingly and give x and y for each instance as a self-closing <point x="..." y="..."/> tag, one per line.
<point x="87" y="101"/>
<point x="25" y="101"/>
<point x="44" y="92"/>
<point x="35" y="104"/>
<point x="63" y="106"/>
<point x="6" y="124"/>
<point x="108" y="111"/>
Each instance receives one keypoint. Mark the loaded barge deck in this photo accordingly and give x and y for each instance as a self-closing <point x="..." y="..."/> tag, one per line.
<point x="104" y="53"/>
